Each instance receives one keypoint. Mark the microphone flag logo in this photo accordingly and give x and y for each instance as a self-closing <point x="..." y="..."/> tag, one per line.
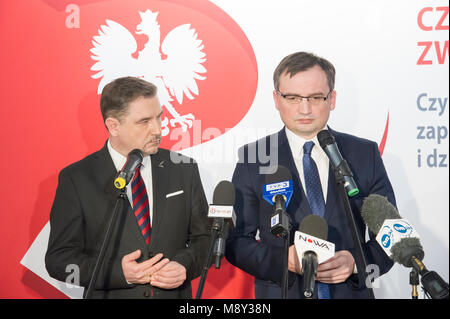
<point x="282" y="188"/>
<point x="392" y="231"/>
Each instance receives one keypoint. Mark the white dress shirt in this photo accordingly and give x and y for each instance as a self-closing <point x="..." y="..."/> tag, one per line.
<point x="146" y="173"/>
<point x="318" y="155"/>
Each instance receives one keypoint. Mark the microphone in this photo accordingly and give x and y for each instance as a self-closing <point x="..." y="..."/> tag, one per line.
<point x="134" y="159"/>
<point x="383" y="219"/>
<point x="277" y="190"/>
<point x="400" y="241"/>
<point x="328" y="144"/>
<point x="223" y="216"/>
<point x="313" y="249"/>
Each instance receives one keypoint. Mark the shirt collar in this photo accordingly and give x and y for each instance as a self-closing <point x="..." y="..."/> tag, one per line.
<point x="296" y="143"/>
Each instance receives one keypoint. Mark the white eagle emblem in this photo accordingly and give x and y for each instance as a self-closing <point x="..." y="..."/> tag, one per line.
<point x="174" y="76"/>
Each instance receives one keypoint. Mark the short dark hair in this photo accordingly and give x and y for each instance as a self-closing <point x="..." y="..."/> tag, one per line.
<point x="117" y="95"/>
<point x="302" y="61"/>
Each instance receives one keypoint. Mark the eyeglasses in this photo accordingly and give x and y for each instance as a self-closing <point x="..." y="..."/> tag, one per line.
<point x="297" y="99"/>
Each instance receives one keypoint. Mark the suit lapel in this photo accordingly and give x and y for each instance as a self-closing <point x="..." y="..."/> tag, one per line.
<point x="332" y="195"/>
<point x="160" y="179"/>
<point x="333" y="200"/>
<point x="298" y="207"/>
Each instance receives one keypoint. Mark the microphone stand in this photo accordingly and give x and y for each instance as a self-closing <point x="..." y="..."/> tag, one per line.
<point x="433" y="285"/>
<point x="284" y="291"/>
<point x="99" y="263"/>
<point x="414" y="282"/>
<point x="340" y="172"/>
<point x="283" y="231"/>
<point x="216" y="230"/>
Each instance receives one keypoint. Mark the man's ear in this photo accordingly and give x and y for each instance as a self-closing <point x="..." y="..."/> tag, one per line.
<point x="112" y="124"/>
<point x="275" y="99"/>
<point x="333" y="100"/>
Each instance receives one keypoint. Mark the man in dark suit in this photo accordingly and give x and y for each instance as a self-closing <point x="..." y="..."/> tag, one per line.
<point x="160" y="241"/>
<point x="304" y="96"/>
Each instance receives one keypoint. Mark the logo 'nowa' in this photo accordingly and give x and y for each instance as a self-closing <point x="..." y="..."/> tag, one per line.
<point x="174" y="76"/>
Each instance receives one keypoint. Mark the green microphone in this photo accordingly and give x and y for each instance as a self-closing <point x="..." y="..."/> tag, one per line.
<point x="328" y="144"/>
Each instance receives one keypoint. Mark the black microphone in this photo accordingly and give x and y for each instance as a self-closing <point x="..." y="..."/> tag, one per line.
<point x="278" y="191"/>
<point x="316" y="226"/>
<point x="224" y="217"/>
<point x="328" y="144"/>
<point x="134" y="159"/>
<point x="400" y="242"/>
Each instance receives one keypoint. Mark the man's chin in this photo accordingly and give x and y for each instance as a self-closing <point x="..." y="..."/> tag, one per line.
<point x="151" y="150"/>
<point x="306" y="133"/>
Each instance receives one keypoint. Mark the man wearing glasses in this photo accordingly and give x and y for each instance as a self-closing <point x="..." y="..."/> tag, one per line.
<point x="304" y="95"/>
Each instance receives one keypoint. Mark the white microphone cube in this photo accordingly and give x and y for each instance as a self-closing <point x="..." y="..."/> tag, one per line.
<point x="304" y="242"/>
<point x="392" y="231"/>
<point x="221" y="211"/>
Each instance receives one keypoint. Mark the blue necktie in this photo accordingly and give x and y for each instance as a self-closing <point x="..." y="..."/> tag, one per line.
<point x="316" y="201"/>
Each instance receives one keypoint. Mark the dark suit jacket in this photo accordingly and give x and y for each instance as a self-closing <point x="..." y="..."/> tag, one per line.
<point x="82" y="207"/>
<point x="263" y="259"/>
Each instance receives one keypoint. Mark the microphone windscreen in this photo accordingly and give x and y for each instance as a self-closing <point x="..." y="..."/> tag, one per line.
<point x="136" y="152"/>
<point x="281" y="174"/>
<point x="375" y="209"/>
<point x="403" y="251"/>
<point x="314" y="225"/>
<point x="325" y="138"/>
<point x="224" y="194"/>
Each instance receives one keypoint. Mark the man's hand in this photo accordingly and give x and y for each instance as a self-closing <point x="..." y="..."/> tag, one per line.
<point x="172" y="275"/>
<point x="336" y="269"/>
<point x="294" y="264"/>
<point x="139" y="273"/>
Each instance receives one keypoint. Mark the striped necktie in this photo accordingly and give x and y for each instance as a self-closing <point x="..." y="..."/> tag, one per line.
<point x="316" y="201"/>
<point x="141" y="207"/>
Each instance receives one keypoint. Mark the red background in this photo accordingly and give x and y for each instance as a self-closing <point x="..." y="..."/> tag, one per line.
<point x="51" y="111"/>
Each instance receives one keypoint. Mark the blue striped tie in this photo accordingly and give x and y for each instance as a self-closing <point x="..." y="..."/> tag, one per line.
<point x="141" y="207"/>
<point x="316" y="201"/>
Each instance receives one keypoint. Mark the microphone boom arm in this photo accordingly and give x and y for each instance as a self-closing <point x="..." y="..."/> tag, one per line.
<point x="360" y="261"/>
